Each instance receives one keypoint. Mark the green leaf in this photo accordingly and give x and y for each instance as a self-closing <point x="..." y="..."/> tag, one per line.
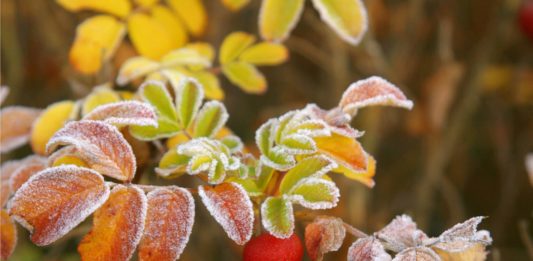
<point x="210" y="119"/>
<point x="315" y="166"/>
<point x="157" y="95"/>
<point x="279" y="159"/>
<point x="347" y="18"/>
<point x="189" y="96"/>
<point x="172" y="164"/>
<point x="298" y="144"/>
<point x="233" y="45"/>
<point x="246" y="76"/>
<point x="264" y="174"/>
<point x="199" y="163"/>
<point x="277" y="18"/>
<point x="210" y="83"/>
<point x="233" y="142"/>
<point x="315" y="193"/>
<point x="278" y="217"/>
<point x="249" y="185"/>
<point x="283" y="122"/>
<point x="165" y="128"/>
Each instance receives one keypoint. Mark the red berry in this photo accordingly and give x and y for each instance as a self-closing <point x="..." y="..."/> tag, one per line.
<point x="270" y="248"/>
<point x="525" y="18"/>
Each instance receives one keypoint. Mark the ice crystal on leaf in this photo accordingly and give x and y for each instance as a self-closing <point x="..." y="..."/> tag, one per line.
<point x="324" y="235"/>
<point x="124" y="113"/>
<point x="367" y="248"/>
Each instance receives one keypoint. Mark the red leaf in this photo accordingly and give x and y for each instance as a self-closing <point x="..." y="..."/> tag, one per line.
<point x="124" y="113"/>
<point x="231" y="207"/>
<point x="169" y="222"/>
<point x="56" y="200"/>
<point x="100" y="145"/>
<point x="117" y="226"/>
<point x="15" y="126"/>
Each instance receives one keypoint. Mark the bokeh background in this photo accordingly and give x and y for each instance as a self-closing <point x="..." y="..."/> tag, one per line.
<point x="460" y="152"/>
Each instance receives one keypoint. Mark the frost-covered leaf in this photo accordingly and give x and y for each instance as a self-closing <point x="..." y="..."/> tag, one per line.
<point x="315" y="193"/>
<point x="335" y="119"/>
<point x="265" y="54"/>
<point x="15" y="126"/>
<point x="401" y="233"/>
<point x="51" y="120"/>
<point x="347" y="17"/>
<point x="6" y="170"/>
<point x="189" y="96"/>
<point x="235" y="5"/>
<point x="370" y="92"/>
<point x="172" y="164"/>
<point x="169" y="222"/>
<point x="277" y="217"/>
<point x="277" y="18"/>
<point x="66" y="156"/>
<point x="278" y="158"/>
<point x="100" y="95"/>
<point x="417" y="254"/>
<point x="56" y="200"/>
<point x="100" y="145"/>
<point x="117" y="226"/>
<point x="211" y="118"/>
<point x="8" y="235"/>
<point x="263" y="175"/>
<point x="233" y="142"/>
<point x="314" y="166"/>
<point x="298" y="144"/>
<point x="192" y="13"/>
<point x="96" y="40"/>
<point x="125" y="113"/>
<point x="348" y="153"/>
<point x="463" y="235"/>
<point x="234" y="45"/>
<point x="249" y="185"/>
<point x="185" y="56"/>
<point x="231" y="207"/>
<point x="157" y="95"/>
<point x="367" y="249"/>
<point x="245" y="76"/>
<point x="134" y="68"/>
<point x="24" y="173"/>
<point x="264" y="136"/>
<point x="324" y="235"/>
<point x="120" y="8"/>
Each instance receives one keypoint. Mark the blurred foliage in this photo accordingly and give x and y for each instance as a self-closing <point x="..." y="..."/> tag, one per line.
<point x="459" y="153"/>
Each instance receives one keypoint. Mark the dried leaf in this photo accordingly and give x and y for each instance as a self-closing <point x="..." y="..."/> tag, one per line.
<point x="367" y="249"/>
<point x="347" y="18"/>
<point x="277" y="18"/>
<point x="246" y="76"/>
<point x="15" y="126"/>
<point x="324" y="235"/>
<point x="463" y="236"/>
<point x="417" y="254"/>
<point x="277" y="217"/>
<point x="8" y="235"/>
<point x="51" y="120"/>
<point x="231" y="207"/>
<point x="401" y="233"/>
<point x="56" y="200"/>
<point x="117" y="226"/>
<point x="100" y="145"/>
<point x="370" y="92"/>
<point x="125" y="113"/>
<point x="169" y="222"/>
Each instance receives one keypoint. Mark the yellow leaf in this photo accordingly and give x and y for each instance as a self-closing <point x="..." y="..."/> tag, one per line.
<point x="233" y="45"/>
<point x="69" y="160"/>
<point x="353" y="161"/>
<point x="235" y="5"/>
<point x="178" y="139"/>
<point x="99" y="96"/>
<point x="347" y="18"/>
<point x="96" y="40"/>
<point x="149" y="36"/>
<point x="265" y="54"/>
<point x="246" y="76"/>
<point x="277" y="18"/>
<point x="193" y="14"/>
<point x="134" y="68"/>
<point x="473" y="253"/>
<point x="119" y="8"/>
<point x="210" y="83"/>
<point x="204" y="49"/>
<point x="168" y="19"/>
<point x="50" y="121"/>
<point x="146" y="3"/>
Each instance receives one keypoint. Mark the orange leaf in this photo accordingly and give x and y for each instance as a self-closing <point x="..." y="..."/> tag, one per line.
<point x="8" y="232"/>
<point x="15" y="126"/>
<point x="22" y="174"/>
<point x="9" y="169"/>
<point x="169" y="222"/>
<point x="353" y="161"/>
<point x="231" y="207"/>
<point x="117" y="226"/>
<point x="370" y="92"/>
<point x="324" y="235"/>
<point x="56" y="200"/>
<point x="124" y="113"/>
<point x="100" y="145"/>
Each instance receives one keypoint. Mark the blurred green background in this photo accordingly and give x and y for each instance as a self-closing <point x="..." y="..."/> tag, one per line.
<point x="459" y="153"/>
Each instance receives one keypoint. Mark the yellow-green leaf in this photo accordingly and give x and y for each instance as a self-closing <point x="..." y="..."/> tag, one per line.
<point x="96" y="41"/>
<point x="235" y="5"/>
<point x="246" y="76"/>
<point x="119" y="8"/>
<point x="347" y="18"/>
<point x="51" y="120"/>
<point x="278" y="217"/>
<point x="134" y="68"/>
<point x="150" y="38"/>
<point x="277" y="18"/>
<point x="265" y="54"/>
<point x="99" y="96"/>
<point x="185" y="56"/>
<point x="315" y="166"/>
<point x="192" y="13"/>
<point x="233" y="45"/>
<point x="210" y="83"/>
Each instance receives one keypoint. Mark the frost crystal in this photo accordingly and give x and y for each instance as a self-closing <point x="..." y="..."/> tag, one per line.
<point x="367" y="249"/>
<point x="125" y="113"/>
